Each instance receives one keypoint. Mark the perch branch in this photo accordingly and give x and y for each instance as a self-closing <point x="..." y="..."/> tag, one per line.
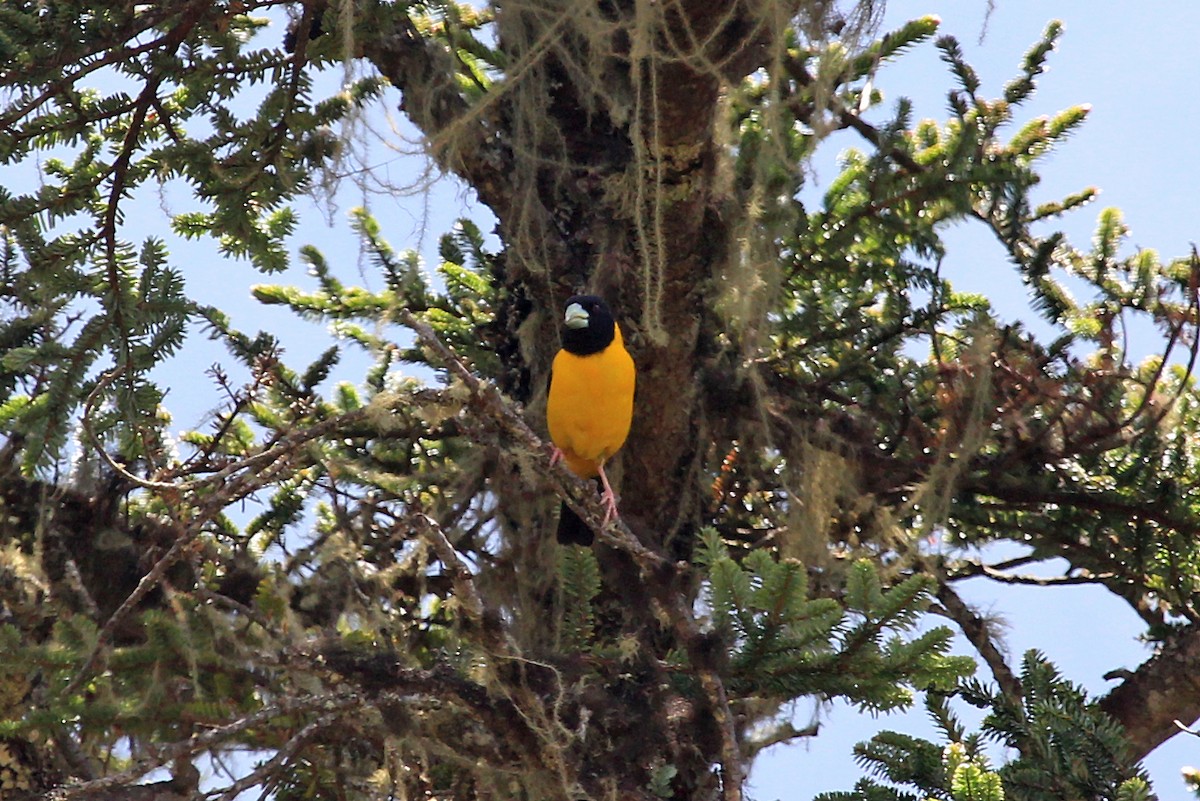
<point x="503" y="417"/>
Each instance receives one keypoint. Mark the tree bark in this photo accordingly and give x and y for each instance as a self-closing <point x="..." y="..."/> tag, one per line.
<point x="1163" y="690"/>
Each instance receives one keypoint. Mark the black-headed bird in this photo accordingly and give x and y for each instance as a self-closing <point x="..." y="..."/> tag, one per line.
<point x="590" y="405"/>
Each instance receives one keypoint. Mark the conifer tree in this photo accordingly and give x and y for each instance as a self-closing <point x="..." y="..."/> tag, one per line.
<point x="395" y="619"/>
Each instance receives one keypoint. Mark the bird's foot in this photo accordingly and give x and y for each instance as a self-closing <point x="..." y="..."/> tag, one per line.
<point x="609" y="499"/>
<point x="610" y="508"/>
<point x="556" y="456"/>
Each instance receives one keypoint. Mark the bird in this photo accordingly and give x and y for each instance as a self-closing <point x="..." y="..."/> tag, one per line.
<point x="590" y="404"/>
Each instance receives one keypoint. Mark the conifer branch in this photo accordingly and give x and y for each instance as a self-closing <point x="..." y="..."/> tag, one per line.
<point x="106" y="54"/>
<point x="248" y="474"/>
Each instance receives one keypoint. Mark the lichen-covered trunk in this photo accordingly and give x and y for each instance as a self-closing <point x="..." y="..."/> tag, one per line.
<point x="622" y="119"/>
<point x="600" y="154"/>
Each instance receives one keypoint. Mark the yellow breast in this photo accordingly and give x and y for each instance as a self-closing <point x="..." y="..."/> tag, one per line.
<point x="590" y="405"/>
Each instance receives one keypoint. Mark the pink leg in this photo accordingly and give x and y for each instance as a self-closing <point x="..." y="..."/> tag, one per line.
<point x="556" y="456"/>
<point x="608" y="498"/>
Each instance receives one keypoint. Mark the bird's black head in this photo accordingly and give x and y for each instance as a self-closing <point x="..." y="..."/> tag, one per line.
<point x="588" y="325"/>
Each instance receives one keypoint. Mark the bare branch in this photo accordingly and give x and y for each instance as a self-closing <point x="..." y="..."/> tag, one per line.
<point x="460" y="574"/>
<point x="976" y="630"/>
<point x="783" y="733"/>
<point x="969" y="568"/>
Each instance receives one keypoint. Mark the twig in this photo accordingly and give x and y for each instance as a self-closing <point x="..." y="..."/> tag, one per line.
<point x="255" y="463"/>
<point x="85" y="421"/>
<point x="849" y="119"/>
<point x="74" y="580"/>
<point x="1016" y="561"/>
<point x="1187" y="729"/>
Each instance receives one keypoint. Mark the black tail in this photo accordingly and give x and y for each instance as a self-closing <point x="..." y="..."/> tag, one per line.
<point x="572" y="530"/>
